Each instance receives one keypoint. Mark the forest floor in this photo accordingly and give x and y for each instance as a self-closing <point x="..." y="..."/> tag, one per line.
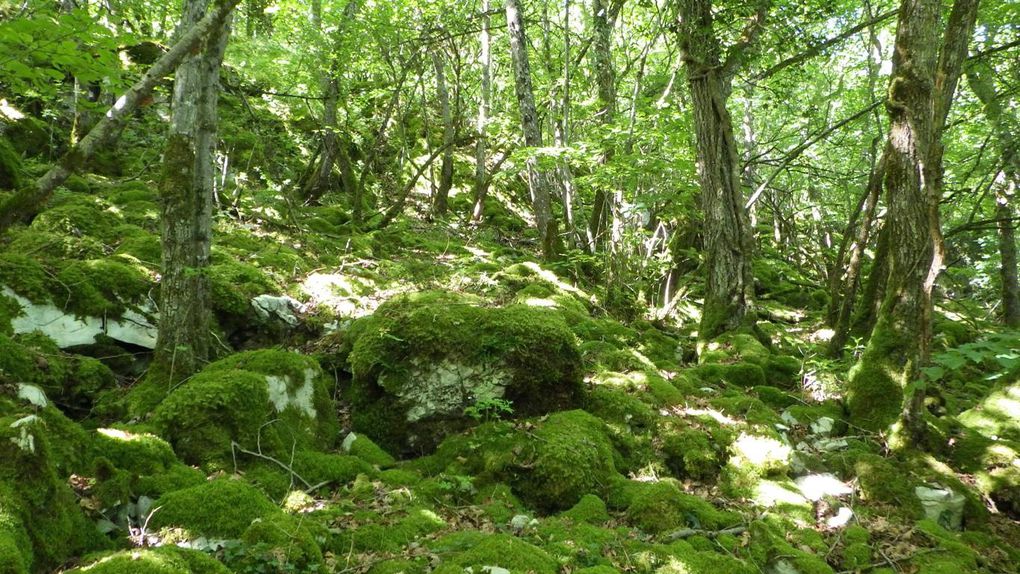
<point x="429" y="398"/>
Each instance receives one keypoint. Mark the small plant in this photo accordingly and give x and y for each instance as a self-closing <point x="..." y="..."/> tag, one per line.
<point x="486" y="410"/>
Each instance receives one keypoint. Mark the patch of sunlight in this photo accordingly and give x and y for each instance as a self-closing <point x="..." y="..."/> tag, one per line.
<point x="822" y="335"/>
<point x="479" y="253"/>
<point x="431" y="517"/>
<point x="118" y="434"/>
<point x="761" y="450"/>
<point x="674" y="566"/>
<point x="713" y="414"/>
<point x="769" y="493"/>
<point x="817" y="486"/>
<point x="151" y="560"/>
<point x="537" y="302"/>
<point x="841" y="518"/>
<point x="547" y="275"/>
<point x="9" y="112"/>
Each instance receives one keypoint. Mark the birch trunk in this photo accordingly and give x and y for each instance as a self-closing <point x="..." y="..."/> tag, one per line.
<point x="440" y="203"/>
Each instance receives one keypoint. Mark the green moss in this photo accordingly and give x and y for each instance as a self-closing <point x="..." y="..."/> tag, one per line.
<point x="598" y="570"/>
<point x="873" y="476"/>
<point x="397" y="566"/>
<point x="140" y="453"/>
<point x="203" y="416"/>
<point x="222" y="508"/>
<point x="616" y="405"/>
<point x="857" y="556"/>
<point x="498" y="502"/>
<point x="570" y="456"/>
<point x="337" y="470"/>
<point x="663" y="393"/>
<point x="589" y="509"/>
<point x="513" y="554"/>
<point x="25" y="276"/>
<point x="15" y="544"/>
<point x="362" y="447"/>
<point x="661" y="507"/>
<point x="745" y="375"/>
<point x="775" y="397"/>
<point x="78" y="216"/>
<point x="10" y="166"/>
<point x="102" y="287"/>
<point x="162" y="560"/>
<point x="282" y="540"/>
<point x="375" y="537"/>
<point x="691" y="453"/>
<point x="233" y="285"/>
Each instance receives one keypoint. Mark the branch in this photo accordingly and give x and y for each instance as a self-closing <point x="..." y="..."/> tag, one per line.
<point x="689" y="532"/>
<point x="738" y="52"/>
<point x="795" y="152"/>
<point x="994" y="50"/>
<point x="28" y="200"/>
<point x="813" y="51"/>
<point x="394" y="210"/>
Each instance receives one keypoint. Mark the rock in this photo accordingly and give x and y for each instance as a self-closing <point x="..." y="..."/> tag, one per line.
<point x="277" y="307"/>
<point x="133" y="327"/>
<point x="422" y="360"/>
<point x="942" y="505"/>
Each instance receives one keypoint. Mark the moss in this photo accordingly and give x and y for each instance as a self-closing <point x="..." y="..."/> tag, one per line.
<point x="176" y="477"/>
<point x="32" y="488"/>
<point x="78" y="216"/>
<point x="10" y="166"/>
<point x="769" y="546"/>
<point x="663" y="393"/>
<point x="337" y="470"/>
<point x="102" y="287"/>
<point x="202" y="417"/>
<point x="283" y="540"/>
<point x="144" y="248"/>
<point x="616" y="405"/>
<point x="661" y="507"/>
<point x="750" y="408"/>
<point x="162" y="560"/>
<point x="420" y="360"/>
<point x="399" y="477"/>
<point x="589" y="509"/>
<point x="775" y="397"/>
<point x="397" y="566"/>
<point x="25" y="276"/>
<point x="875" y="386"/>
<point x="233" y="285"/>
<point x="873" y="474"/>
<point x="498" y="502"/>
<point x="598" y="570"/>
<point x="375" y="537"/>
<point x="745" y="375"/>
<point x="690" y="453"/>
<point x="15" y="544"/>
<point x="570" y="456"/>
<point x="362" y="447"/>
<point x="222" y="508"/>
<point x="140" y="453"/>
<point x="857" y="556"/>
<point x="513" y="554"/>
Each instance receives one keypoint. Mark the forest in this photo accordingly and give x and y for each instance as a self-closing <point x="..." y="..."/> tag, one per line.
<point x="509" y="286"/>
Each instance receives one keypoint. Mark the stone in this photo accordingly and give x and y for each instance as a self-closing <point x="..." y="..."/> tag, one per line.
<point x="942" y="505"/>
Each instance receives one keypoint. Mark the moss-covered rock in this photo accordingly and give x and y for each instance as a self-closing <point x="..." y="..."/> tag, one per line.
<point x="589" y="509"/>
<point x="421" y="360"/>
<point x="691" y="453"/>
<point x="744" y="375"/>
<point x="271" y="399"/>
<point x="661" y="507"/>
<point x="363" y="448"/>
<point x="162" y="560"/>
<point x="281" y="540"/>
<point x="10" y="166"/>
<point x="508" y="552"/>
<point x="223" y="508"/>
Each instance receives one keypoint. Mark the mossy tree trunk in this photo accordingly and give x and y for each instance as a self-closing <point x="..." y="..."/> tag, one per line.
<point x="186" y="198"/>
<point x="729" y="288"/>
<point x="29" y="199"/>
<point x="980" y="77"/>
<point x="440" y="202"/>
<point x="542" y="181"/>
<point x="921" y="89"/>
<point x="602" y="67"/>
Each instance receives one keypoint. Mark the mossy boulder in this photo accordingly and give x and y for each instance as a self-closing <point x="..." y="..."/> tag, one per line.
<point x="270" y="399"/>
<point x="995" y="416"/>
<point x="744" y="348"/>
<point x="161" y="560"/>
<point x="281" y="540"/>
<point x="507" y="552"/>
<point x="10" y="166"/>
<point x="589" y="509"/>
<point x="422" y="359"/>
<point x="660" y="507"/>
<point x="39" y="514"/>
<point x="223" y="508"/>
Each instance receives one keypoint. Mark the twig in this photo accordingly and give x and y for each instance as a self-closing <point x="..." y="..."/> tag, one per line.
<point x="689" y="532"/>
<point x="239" y="448"/>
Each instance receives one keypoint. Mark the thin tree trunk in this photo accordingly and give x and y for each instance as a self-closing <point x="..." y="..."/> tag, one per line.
<point x="542" y="182"/>
<point x="440" y="203"/>
<point x="602" y="62"/>
<point x="485" y="57"/>
<point x="922" y="86"/>
<point x="980" y="78"/>
<point x="186" y="197"/>
<point x="729" y="288"/>
<point x="29" y="200"/>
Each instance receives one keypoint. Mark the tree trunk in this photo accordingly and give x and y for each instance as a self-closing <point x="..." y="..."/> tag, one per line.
<point x="729" y="288"/>
<point x="186" y="197"/>
<point x="541" y="181"/>
<point x="440" y="202"/>
<point x="851" y="281"/>
<point x="602" y="62"/>
<point x="485" y="57"/>
<point x="27" y="201"/>
<point x="980" y="76"/>
<point x="923" y="82"/>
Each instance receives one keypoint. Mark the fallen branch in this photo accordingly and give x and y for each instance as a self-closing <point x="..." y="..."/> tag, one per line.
<point x="683" y="533"/>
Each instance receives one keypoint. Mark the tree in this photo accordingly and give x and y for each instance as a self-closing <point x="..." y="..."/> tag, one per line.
<point x="729" y="287"/>
<point x="541" y="181"/>
<point x="925" y="72"/>
<point x="186" y="195"/>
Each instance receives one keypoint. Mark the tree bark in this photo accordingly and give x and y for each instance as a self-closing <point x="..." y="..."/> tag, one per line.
<point x="485" y="57"/>
<point x="980" y="77"/>
<point x="541" y="180"/>
<point x="186" y="197"/>
<point x="440" y="203"/>
<point x="29" y="200"/>
<point x="924" y="77"/>
<point x="602" y="64"/>
<point x="729" y="288"/>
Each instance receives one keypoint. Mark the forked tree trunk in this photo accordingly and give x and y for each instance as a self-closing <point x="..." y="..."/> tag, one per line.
<point x="923" y="82"/>
<point x="729" y="288"/>
<point x="541" y="181"/>
<point x="186" y="197"/>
